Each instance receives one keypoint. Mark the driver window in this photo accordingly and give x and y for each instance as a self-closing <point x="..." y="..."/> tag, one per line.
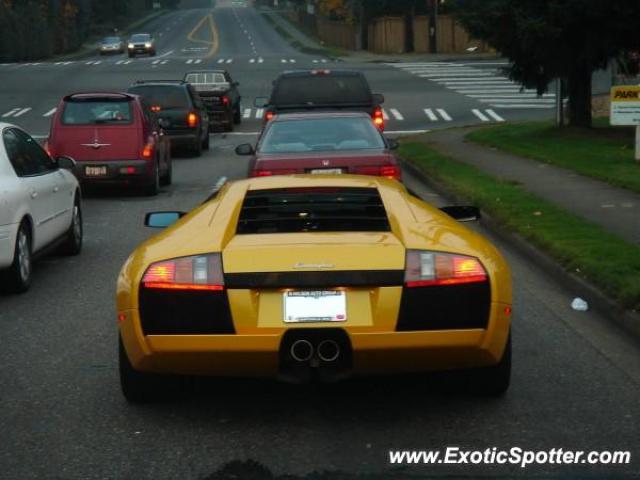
<point x="30" y="156"/>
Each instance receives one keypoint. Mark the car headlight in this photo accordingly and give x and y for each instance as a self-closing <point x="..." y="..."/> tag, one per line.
<point x="148" y="44"/>
<point x="131" y="45"/>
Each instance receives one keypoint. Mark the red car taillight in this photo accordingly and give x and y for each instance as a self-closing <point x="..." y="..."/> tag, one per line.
<point x="192" y="120"/>
<point x="200" y="272"/>
<point x="155" y="108"/>
<point x="147" y="151"/>
<point x="389" y="171"/>
<point x="434" y="268"/>
<point x="378" y="118"/>
<point x="225" y="100"/>
<point x="277" y="171"/>
<point x="268" y="115"/>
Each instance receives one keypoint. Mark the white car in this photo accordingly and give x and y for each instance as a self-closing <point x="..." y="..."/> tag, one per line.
<point x="40" y="206"/>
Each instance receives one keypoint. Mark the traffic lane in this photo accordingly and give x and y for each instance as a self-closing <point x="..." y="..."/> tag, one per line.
<point x="268" y="42"/>
<point x="65" y="415"/>
<point x="236" y="39"/>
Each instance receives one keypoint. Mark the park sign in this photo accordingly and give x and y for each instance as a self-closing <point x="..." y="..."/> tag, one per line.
<point x="625" y="105"/>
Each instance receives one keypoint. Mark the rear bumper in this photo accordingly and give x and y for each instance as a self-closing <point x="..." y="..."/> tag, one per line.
<point x="182" y="138"/>
<point x="259" y="355"/>
<point x="118" y="172"/>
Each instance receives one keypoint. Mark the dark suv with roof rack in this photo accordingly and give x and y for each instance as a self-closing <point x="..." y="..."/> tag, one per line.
<point x="180" y="109"/>
<point x="322" y="90"/>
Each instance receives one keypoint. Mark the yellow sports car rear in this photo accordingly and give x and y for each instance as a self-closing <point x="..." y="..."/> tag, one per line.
<point x="313" y="278"/>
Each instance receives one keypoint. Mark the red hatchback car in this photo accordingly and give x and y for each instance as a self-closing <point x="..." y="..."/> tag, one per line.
<point x="327" y="142"/>
<point x="114" y="138"/>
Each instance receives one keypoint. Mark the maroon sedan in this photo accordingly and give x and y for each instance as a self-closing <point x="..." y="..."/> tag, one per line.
<point x="328" y="142"/>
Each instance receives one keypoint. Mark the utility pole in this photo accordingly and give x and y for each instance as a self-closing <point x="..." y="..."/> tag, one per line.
<point x="433" y="26"/>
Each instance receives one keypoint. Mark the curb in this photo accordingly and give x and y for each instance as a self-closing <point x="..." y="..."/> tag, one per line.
<point x="629" y="321"/>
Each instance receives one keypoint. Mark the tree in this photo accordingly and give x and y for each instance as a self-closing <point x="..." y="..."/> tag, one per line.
<point x="547" y="39"/>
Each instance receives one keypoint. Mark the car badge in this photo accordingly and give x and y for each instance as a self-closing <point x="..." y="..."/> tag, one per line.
<point x="95" y="145"/>
<point x="325" y="163"/>
<point x="319" y="266"/>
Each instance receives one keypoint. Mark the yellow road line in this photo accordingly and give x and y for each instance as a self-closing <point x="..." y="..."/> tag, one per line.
<point x="214" y="42"/>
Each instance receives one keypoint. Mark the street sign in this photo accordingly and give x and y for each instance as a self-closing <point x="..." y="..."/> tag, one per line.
<point x="625" y="110"/>
<point x="625" y="105"/>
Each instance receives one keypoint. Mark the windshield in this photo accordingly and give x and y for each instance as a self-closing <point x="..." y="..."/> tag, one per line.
<point x="92" y="112"/>
<point x="321" y="90"/>
<point x="326" y="134"/>
<point x="141" y="38"/>
<point x="111" y="40"/>
<point x="165" y="96"/>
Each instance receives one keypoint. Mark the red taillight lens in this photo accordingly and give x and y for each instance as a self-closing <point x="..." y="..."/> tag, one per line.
<point x="147" y="151"/>
<point x="268" y="115"/>
<point x="225" y="100"/>
<point x="425" y="269"/>
<point x="200" y="272"/>
<point x="268" y="173"/>
<point x="378" y="118"/>
<point x="192" y="120"/>
<point x="155" y="108"/>
<point x="46" y="147"/>
<point x="389" y="171"/>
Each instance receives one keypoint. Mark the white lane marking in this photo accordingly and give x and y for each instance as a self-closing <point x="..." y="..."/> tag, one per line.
<point x="454" y="76"/>
<point x="315" y="61"/>
<point x="164" y="62"/>
<point x="324" y="60"/>
<point x="443" y="113"/>
<point x="478" y="81"/>
<point x="128" y="62"/>
<point x="247" y="113"/>
<point x="494" y="115"/>
<point x="499" y="90"/>
<point x="155" y="62"/>
<point x="260" y="60"/>
<point x="385" y="116"/>
<point x="50" y="112"/>
<point x="253" y="60"/>
<point x="230" y="60"/>
<point x="517" y="100"/>
<point x="396" y="114"/>
<point x="284" y="60"/>
<point x="480" y="115"/>
<point x="119" y="62"/>
<point x="166" y="54"/>
<point x="523" y="105"/>
<point x="97" y="62"/>
<point x="89" y="63"/>
<point x="10" y="112"/>
<point x="221" y="60"/>
<point x="292" y="60"/>
<point x="405" y="132"/>
<point x="22" y="112"/>
<point x="189" y="61"/>
<point x="259" y="112"/>
<point x="520" y="96"/>
<point x="432" y="116"/>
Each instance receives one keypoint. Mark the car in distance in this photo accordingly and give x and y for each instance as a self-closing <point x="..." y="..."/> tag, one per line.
<point x="220" y="96"/>
<point x="313" y="277"/>
<point x="181" y="110"/>
<point x="141" y="43"/>
<point x="40" y="207"/>
<point x="335" y="143"/>
<point x="111" y="45"/>
<point x="115" y="139"/>
<point x="322" y="90"/>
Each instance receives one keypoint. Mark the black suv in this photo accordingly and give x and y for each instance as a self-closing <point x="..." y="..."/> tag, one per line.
<point x="322" y="90"/>
<point x="180" y="110"/>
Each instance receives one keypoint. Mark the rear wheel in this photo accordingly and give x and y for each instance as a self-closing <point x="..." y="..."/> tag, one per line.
<point x="154" y="186"/>
<point x="72" y="244"/>
<point x="196" y="148"/>
<point x="18" y="275"/>
<point x="167" y="178"/>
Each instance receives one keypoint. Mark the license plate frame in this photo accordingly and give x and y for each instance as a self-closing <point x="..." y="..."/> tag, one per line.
<point x="95" y="171"/>
<point x="326" y="171"/>
<point x="314" y="306"/>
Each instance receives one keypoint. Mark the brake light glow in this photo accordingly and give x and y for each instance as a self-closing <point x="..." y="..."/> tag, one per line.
<point x="320" y="72"/>
<point x="225" y="100"/>
<point x="192" y="120"/>
<point x="425" y="269"/>
<point x="268" y="115"/>
<point x="147" y="151"/>
<point x="199" y="272"/>
<point x="378" y="118"/>
<point x="268" y="173"/>
<point x="388" y="171"/>
<point x="155" y="108"/>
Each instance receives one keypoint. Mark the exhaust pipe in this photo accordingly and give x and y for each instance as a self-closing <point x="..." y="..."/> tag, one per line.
<point x="301" y="350"/>
<point x="328" y="351"/>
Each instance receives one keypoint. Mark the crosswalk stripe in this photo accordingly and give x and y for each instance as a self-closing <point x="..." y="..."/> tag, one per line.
<point x="259" y="112"/>
<point x="230" y="60"/>
<point x="396" y="114"/>
<point x="480" y="115"/>
<point x="260" y="60"/>
<point x="494" y="115"/>
<point x="514" y="95"/>
<point x="432" y="116"/>
<point x="444" y="114"/>
<point x="518" y="100"/>
<point x="155" y="62"/>
<point x="493" y="90"/>
<point x="189" y="61"/>
<point x="292" y="60"/>
<point x="50" y="112"/>
<point x="197" y="60"/>
<point x="97" y="62"/>
<point x="221" y="60"/>
<point x="22" y="112"/>
<point x="10" y="112"/>
<point x="253" y="60"/>
<point x="522" y="105"/>
<point x="385" y="116"/>
<point x="284" y="60"/>
<point x="247" y="113"/>
<point x="456" y="75"/>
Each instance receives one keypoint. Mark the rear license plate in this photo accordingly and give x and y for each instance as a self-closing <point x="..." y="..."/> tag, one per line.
<point x="330" y="171"/>
<point x="315" y="306"/>
<point x="99" y="171"/>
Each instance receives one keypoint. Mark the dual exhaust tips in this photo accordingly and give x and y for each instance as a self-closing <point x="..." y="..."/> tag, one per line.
<point x="302" y="350"/>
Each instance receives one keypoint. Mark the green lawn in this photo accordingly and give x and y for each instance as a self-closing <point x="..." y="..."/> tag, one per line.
<point x="603" y="152"/>
<point x="581" y="247"/>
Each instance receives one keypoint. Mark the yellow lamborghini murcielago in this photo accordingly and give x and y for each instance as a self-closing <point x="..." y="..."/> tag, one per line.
<point x="312" y="277"/>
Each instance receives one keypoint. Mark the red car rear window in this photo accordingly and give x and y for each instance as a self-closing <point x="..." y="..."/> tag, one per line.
<point x="97" y="112"/>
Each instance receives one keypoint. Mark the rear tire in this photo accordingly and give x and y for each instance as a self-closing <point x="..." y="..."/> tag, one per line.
<point x="18" y="276"/>
<point x="237" y="115"/>
<point x="154" y="187"/>
<point x="72" y="244"/>
<point x="206" y="142"/>
<point x="167" y="178"/>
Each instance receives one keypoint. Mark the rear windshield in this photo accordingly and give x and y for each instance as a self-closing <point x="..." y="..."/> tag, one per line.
<point x="165" y="96"/>
<point x="321" y="90"/>
<point x="205" y="78"/>
<point x="98" y="111"/>
<point x="321" y="209"/>
<point x="320" y="134"/>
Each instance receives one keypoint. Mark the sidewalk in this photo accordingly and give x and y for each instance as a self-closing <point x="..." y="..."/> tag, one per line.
<point x="615" y="209"/>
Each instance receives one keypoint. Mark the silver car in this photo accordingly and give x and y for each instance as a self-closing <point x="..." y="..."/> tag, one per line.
<point x="111" y="45"/>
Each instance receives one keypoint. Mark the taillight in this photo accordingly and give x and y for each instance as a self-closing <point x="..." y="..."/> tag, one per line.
<point x="425" y="269"/>
<point x="200" y="272"/>
<point x="268" y="115"/>
<point x="225" y="100"/>
<point x="389" y="171"/>
<point x="147" y="151"/>
<point x="46" y="147"/>
<point x="192" y="120"/>
<point x="155" y="108"/>
<point x="277" y="171"/>
<point x="378" y="118"/>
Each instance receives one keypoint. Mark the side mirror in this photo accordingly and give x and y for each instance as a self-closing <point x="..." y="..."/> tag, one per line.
<point x="164" y="123"/>
<point x="65" y="162"/>
<point x="392" y="143"/>
<point x="463" y="213"/>
<point x="245" y="149"/>
<point x="378" y="98"/>
<point x="261" y="102"/>
<point x="162" y="219"/>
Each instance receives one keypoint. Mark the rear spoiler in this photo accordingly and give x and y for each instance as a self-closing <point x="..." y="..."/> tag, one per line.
<point x="84" y="96"/>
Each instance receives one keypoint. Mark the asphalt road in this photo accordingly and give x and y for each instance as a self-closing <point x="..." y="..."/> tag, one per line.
<point x="576" y="378"/>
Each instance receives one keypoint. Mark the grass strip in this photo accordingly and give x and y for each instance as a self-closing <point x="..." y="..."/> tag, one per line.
<point x="603" y="152"/>
<point x="585" y="249"/>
